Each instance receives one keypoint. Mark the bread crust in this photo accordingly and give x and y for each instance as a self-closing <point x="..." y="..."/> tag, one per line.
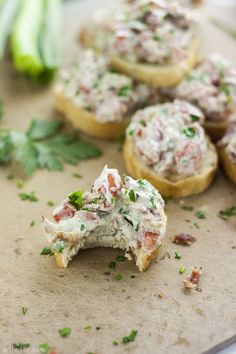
<point x="229" y="166"/>
<point x="215" y="129"/>
<point x="180" y="188"/>
<point x="85" y="120"/>
<point x="151" y="74"/>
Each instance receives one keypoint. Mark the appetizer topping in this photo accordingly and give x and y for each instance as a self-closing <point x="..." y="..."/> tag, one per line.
<point x="168" y="140"/>
<point x="184" y="239"/>
<point x="130" y="337"/>
<point x="94" y="87"/>
<point x="229" y="141"/>
<point x="193" y="279"/>
<point x="227" y="213"/>
<point x="212" y="87"/>
<point x="119" y="212"/>
<point x="156" y="32"/>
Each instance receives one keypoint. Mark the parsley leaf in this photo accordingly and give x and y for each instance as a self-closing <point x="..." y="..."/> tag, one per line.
<point x="21" y="346"/>
<point x="132" y="195"/>
<point x="200" y="214"/>
<point x="227" y="213"/>
<point x="130" y="337"/>
<point x="77" y="175"/>
<point x="189" y="132"/>
<point x="178" y="255"/>
<point x="194" y="118"/>
<point x="24" y="310"/>
<point x="118" y="277"/>
<point x="120" y="258"/>
<point x="28" y="196"/>
<point x="188" y="207"/>
<point x="64" y="332"/>
<point x="44" y="348"/>
<point x="76" y="199"/>
<point x="44" y="146"/>
<point x="124" y="91"/>
<point x="112" y="265"/>
<point x="46" y="251"/>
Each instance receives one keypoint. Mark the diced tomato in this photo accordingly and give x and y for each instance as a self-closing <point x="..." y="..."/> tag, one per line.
<point x="150" y="239"/>
<point x="63" y="211"/>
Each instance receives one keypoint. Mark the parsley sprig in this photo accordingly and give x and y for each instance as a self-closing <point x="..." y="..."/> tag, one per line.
<point x="43" y="145"/>
<point x="227" y="213"/>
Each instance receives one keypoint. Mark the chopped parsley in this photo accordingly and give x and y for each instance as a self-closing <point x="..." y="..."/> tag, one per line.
<point x="130" y="337"/>
<point x="10" y="177"/>
<point x="76" y="199"/>
<point x="20" y="183"/>
<point x="178" y="255"/>
<point x="120" y="258"/>
<point x="51" y="203"/>
<point x="182" y="270"/>
<point x="118" y="277"/>
<point x="44" y="348"/>
<point x="82" y="227"/>
<point x="124" y="91"/>
<point x="200" y="214"/>
<point x="141" y="183"/>
<point x="194" y="118"/>
<point x="28" y="196"/>
<point x="46" y="251"/>
<point x="112" y="265"/>
<point x="88" y="327"/>
<point x="189" y="132"/>
<point x="21" y="346"/>
<point x="64" y="332"/>
<point x="60" y="247"/>
<point x="115" y="342"/>
<point x="24" y="310"/>
<point x="227" y="213"/>
<point x="188" y="207"/>
<point x="157" y="38"/>
<point x="153" y="203"/>
<point x="196" y="225"/>
<point x="77" y="175"/>
<point x="131" y="132"/>
<point x="32" y="223"/>
<point x="133" y="195"/>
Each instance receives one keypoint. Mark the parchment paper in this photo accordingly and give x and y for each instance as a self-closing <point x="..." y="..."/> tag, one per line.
<point x="85" y="294"/>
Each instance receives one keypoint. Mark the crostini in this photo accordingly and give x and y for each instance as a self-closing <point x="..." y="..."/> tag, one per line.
<point x="97" y="100"/>
<point x="227" y="151"/>
<point x="119" y="212"/>
<point x="155" y="42"/>
<point x="166" y="145"/>
<point x="212" y="87"/>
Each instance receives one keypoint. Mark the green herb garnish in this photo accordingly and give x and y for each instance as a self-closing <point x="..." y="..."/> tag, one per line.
<point x="21" y="346"/>
<point x="112" y="265"/>
<point x="182" y="270"/>
<point x="32" y="223"/>
<point x="60" y="247"/>
<point x="44" y="146"/>
<point x="115" y="342"/>
<point x="157" y="38"/>
<point x="44" y="348"/>
<point x="130" y="337"/>
<point x="20" y="183"/>
<point x="76" y="199"/>
<point x="120" y="258"/>
<point x="24" y="310"/>
<point x="188" y="207"/>
<point x="50" y="203"/>
<point x="28" y="196"/>
<point x="88" y="327"/>
<point x="82" y="227"/>
<point x="227" y="213"/>
<point x="189" y="132"/>
<point x="10" y="177"/>
<point x="64" y="332"/>
<point x="46" y="251"/>
<point x="131" y="132"/>
<point x="132" y="195"/>
<point x="124" y="91"/>
<point x="200" y="214"/>
<point x="77" y="175"/>
<point x="196" y="225"/>
<point x="178" y="255"/>
<point x="118" y="277"/>
<point x="194" y="118"/>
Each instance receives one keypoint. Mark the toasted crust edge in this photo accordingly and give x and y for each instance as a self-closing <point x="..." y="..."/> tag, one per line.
<point x="215" y="129"/>
<point x="182" y="188"/>
<point x="153" y="75"/>
<point x="86" y="121"/>
<point x="229" y="166"/>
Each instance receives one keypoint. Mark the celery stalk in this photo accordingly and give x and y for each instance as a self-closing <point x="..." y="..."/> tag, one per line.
<point x="25" y="38"/>
<point x="8" y="10"/>
<point x="51" y="34"/>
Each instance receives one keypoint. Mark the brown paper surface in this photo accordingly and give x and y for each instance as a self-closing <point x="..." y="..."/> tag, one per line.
<point x="84" y="294"/>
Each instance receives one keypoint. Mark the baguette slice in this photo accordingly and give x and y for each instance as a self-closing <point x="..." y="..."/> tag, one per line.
<point x="153" y="75"/>
<point x="173" y="187"/>
<point x="229" y="166"/>
<point x="85" y="120"/>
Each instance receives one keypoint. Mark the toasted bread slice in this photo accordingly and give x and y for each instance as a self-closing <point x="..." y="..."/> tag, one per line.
<point x="153" y="75"/>
<point x="85" y="120"/>
<point x="229" y="166"/>
<point x="173" y="187"/>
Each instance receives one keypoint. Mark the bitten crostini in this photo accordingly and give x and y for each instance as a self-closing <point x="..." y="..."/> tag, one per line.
<point x="166" y="145"/>
<point x="155" y="42"/>
<point x="118" y="212"/>
<point x="97" y="100"/>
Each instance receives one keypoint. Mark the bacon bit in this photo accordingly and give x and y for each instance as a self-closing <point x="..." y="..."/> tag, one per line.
<point x="150" y="240"/>
<point x="63" y="211"/>
<point x="193" y="279"/>
<point x="184" y="239"/>
<point x="112" y="184"/>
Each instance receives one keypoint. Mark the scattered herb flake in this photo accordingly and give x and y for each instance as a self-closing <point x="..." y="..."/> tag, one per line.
<point x="28" y="196"/>
<point x="120" y="258"/>
<point x="50" y="203"/>
<point x="82" y="227"/>
<point x="189" y="132"/>
<point x="21" y="346"/>
<point x="200" y="214"/>
<point x="32" y="223"/>
<point x="124" y="91"/>
<point x="77" y="175"/>
<point x="188" y="207"/>
<point x="178" y="255"/>
<point x="112" y="265"/>
<point x="196" y="225"/>
<point x="194" y="118"/>
<point x="20" y="183"/>
<point x="131" y="132"/>
<point x="157" y="38"/>
<point x="24" y="310"/>
<point x="64" y="332"/>
<point x="76" y="199"/>
<point x="130" y="337"/>
<point x="227" y="213"/>
<point x="118" y="277"/>
<point x="115" y="342"/>
<point x="10" y="177"/>
<point x="88" y="327"/>
<point x="44" y="348"/>
<point x="182" y="270"/>
<point x="132" y="195"/>
<point x="60" y="247"/>
<point x="46" y="251"/>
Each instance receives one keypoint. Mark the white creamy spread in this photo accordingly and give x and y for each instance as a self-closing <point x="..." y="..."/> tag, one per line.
<point x="156" y="32"/>
<point x="169" y="138"/>
<point x="229" y="142"/>
<point x="212" y="87"/>
<point x="92" y="86"/>
<point x="118" y="212"/>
